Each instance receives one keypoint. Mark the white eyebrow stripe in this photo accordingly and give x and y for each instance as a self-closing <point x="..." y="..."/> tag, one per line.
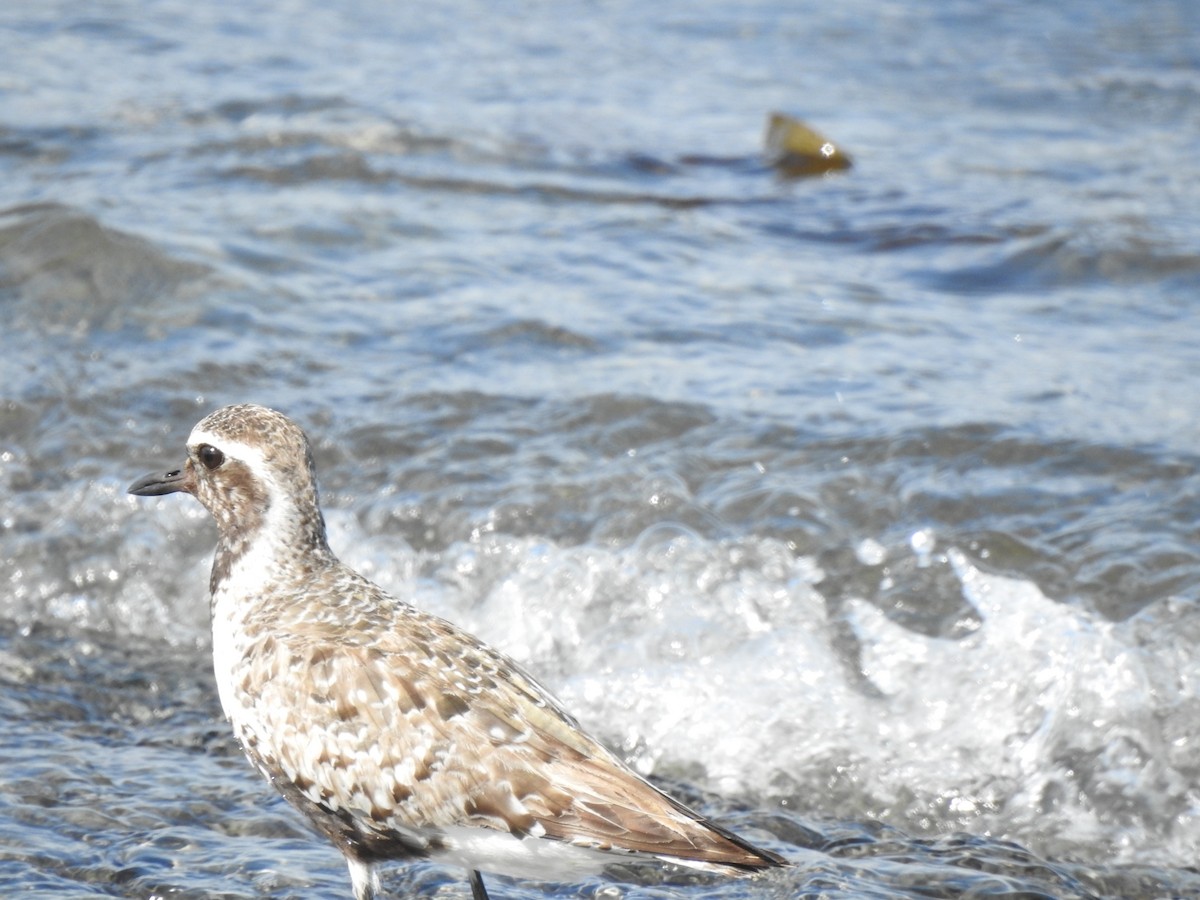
<point x="247" y="453"/>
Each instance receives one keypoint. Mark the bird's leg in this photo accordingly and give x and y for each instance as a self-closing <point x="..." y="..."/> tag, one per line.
<point x="363" y="879"/>
<point x="478" y="891"/>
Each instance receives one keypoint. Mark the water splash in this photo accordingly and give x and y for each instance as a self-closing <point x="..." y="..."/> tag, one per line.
<point x="717" y="659"/>
<point x="724" y="662"/>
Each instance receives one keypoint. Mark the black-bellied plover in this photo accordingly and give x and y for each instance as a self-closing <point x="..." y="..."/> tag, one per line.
<point x="399" y="735"/>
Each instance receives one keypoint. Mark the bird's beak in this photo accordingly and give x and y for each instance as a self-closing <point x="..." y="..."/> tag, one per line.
<point x="163" y="483"/>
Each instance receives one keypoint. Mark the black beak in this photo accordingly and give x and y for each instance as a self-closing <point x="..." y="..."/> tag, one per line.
<point x="158" y="483"/>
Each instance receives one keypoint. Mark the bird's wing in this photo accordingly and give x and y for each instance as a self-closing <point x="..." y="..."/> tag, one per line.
<point x="421" y="728"/>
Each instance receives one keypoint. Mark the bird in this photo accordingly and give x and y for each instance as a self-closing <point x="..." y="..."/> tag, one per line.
<point x="397" y="734"/>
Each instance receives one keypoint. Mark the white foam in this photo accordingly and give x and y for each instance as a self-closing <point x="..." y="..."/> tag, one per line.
<point x="1047" y="724"/>
<point x="715" y="660"/>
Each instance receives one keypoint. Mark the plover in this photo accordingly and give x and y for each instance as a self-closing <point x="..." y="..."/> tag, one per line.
<point x="397" y="734"/>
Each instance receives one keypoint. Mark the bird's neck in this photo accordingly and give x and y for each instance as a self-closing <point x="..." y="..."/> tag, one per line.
<point x="285" y="545"/>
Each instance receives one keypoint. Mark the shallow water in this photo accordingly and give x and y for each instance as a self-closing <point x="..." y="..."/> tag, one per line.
<point x="860" y="510"/>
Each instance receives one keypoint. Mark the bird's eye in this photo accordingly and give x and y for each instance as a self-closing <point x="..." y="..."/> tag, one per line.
<point x="210" y="456"/>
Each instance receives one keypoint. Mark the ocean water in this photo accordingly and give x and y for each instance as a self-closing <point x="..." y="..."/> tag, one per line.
<point x="858" y="510"/>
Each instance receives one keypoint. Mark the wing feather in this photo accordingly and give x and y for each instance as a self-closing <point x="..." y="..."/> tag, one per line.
<point x="420" y="728"/>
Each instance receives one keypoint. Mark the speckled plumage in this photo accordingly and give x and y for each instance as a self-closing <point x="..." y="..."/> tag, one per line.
<point x="397" y="734"/>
